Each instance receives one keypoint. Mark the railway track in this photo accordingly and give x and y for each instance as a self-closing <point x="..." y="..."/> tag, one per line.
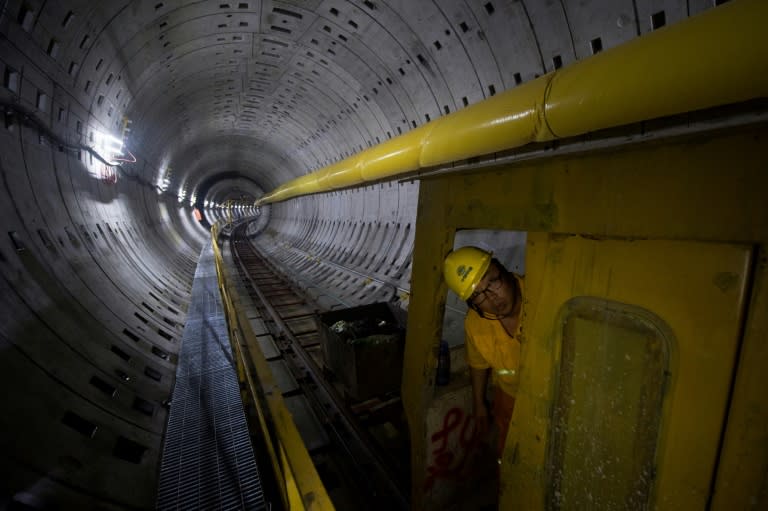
<point x="350" y="442"/>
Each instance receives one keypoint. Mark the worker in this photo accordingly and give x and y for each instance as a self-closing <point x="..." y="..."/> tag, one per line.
<point x="492" y="331"/>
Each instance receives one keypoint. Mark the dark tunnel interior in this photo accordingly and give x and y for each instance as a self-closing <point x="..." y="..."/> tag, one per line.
<point x="123" y="120"/>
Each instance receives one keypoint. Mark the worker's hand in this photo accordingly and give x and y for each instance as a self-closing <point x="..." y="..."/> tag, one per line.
<point x="481" y="419"/>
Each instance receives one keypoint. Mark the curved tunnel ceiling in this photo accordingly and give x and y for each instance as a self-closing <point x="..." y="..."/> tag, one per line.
<point x="224" y="100"/>
<point x="274" y="90"/>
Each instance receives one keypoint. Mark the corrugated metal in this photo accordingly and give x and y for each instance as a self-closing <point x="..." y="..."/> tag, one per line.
<point x="208" y="460"/>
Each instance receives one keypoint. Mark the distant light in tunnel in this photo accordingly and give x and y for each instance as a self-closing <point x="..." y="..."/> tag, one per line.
<point x="164" y="176"/>
<point x="182" y="193"/>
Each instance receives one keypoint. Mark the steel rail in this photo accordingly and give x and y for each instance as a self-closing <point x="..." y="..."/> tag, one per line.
<point x="298" y="482"/>
<point x="342" y="415"/>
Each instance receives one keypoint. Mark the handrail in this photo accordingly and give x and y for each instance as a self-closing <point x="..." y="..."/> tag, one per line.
<point x="715" y="58"/>
<point x="299" y="483"/>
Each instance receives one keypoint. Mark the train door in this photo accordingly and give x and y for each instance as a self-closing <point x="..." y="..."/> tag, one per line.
<point x="628" y="360"/>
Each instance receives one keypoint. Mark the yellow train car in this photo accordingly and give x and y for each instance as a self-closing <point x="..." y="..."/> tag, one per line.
<point x="644" y="319"/>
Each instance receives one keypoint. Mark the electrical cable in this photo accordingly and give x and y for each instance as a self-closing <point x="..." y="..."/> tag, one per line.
<point x="28" y="118"/>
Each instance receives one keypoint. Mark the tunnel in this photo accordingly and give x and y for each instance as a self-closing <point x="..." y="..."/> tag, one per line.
<point x="356" y="143"/>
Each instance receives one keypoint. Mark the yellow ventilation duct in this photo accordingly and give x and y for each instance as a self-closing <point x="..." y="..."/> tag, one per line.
<point x="716" y="58"/>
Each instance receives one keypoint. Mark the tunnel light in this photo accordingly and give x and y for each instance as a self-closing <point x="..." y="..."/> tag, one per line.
<point x="108" y="146"/>
<point x="164" y="175"/>
<point x="113" y="143"/>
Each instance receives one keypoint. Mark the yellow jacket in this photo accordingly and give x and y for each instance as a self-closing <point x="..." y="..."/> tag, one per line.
<point x="489" y="346"/>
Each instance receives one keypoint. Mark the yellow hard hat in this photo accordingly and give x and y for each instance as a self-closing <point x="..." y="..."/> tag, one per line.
<point x="464" y="268"/>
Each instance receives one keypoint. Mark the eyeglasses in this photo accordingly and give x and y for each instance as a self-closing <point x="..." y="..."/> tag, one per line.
<point x="494" y="285"/>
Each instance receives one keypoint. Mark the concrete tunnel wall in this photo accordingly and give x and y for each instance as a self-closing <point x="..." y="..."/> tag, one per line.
<point x="96" y="261"/>
<point x="347" y="251"/>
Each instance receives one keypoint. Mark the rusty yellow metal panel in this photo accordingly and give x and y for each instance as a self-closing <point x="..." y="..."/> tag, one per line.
<point x="698" y="290"/>
<point x="741" y="478"/>
<point x="689" y="188"/>
<point x="423" y="334"/>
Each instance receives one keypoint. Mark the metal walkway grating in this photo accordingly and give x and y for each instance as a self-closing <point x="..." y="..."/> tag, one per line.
<point x="208" y="460"/>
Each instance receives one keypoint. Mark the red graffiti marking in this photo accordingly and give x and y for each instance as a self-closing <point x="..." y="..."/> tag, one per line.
<point x="447" y="463"/>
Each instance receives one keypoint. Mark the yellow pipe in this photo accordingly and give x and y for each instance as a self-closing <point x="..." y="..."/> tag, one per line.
<point x="340" y="175"/>
<point x="715" y="58"/>
<point x="511" y="119"/>
<point x="401" y="154"/>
